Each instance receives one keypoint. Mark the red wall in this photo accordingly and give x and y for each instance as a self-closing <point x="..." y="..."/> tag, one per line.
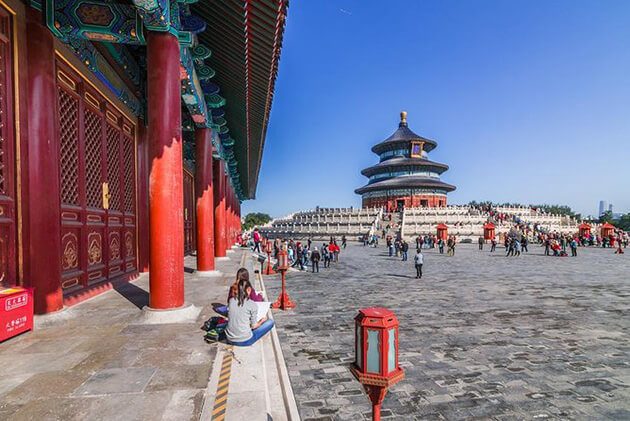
<point x="414" y="201"/>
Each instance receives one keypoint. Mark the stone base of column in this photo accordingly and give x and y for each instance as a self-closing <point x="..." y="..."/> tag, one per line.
<point x="41" y="321"/>
<point x="221" y="259"/>
<point x="209" y="273"/>
<point x="236" y="246"/>
<point x="184" y="314"/>
<point x="229" y="251"/>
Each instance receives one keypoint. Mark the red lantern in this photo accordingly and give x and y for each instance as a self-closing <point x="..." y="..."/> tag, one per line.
<point x="376" y="354"/>
<point x="283" y="261"/>
<point x="442" y="232"/>
<point x="268" y="248"/>
<point x="488" y="231"/>
<point x="284" y="301"/>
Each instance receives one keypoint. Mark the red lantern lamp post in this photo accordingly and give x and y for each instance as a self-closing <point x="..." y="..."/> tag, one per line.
<point x="284" y="301"/>
<point x="376" y="354"/>
<point x="269" y="249"/>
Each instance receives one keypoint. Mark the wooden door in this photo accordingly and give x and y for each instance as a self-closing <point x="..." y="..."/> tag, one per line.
<point x="189" y="213"/>
<point x="8" y="245"/>
<point x="97" y="168"/>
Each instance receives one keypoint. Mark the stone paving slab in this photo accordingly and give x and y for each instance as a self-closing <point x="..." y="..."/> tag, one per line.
<point x="481" y="335"/>
<point x="98" y="363"/>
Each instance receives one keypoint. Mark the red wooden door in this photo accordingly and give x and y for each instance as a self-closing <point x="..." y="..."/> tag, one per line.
<point x="97" y="167"/>
<point x="189" y="213"/>
<point x="8" y="246"/>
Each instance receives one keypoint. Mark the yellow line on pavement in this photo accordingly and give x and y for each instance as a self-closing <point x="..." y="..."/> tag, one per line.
<point x="220" y="400"/>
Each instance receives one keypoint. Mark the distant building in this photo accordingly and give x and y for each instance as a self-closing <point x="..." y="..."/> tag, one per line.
<point x="610" y="208"/>
<point x="404" y="177"/>
<point x="602" y="207"/>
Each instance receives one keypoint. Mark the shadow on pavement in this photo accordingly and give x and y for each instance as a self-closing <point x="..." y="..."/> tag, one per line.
<point x="134" y="294"/>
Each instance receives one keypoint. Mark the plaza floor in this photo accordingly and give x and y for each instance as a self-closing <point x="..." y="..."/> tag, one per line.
<point x="481" y="335"/>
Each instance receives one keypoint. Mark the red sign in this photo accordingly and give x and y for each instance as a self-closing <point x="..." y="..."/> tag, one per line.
<point x="16" y="311"/>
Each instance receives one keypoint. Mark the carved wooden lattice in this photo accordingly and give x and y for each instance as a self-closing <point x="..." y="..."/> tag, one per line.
<point x="68" y="121"/>
<point x="93" y="153"/>
<point x="128" y="163"/>
<point x="113" y="166"/>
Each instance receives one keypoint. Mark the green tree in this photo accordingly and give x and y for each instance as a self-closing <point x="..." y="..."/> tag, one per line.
<point x="255" y="219"/>
<point x="623" y="222"/>
<point x="606" y="217"/>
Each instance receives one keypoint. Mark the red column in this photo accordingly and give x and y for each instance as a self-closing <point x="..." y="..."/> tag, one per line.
<point x="205" y="200"/>
<point x="166" y="197"/>
<point x="44" y="252"/>
<point x="230" y="218"/>
<point x="219" y="209"/>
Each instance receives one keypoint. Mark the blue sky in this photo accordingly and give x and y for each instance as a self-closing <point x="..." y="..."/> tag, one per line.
<point x="529" y="101"/>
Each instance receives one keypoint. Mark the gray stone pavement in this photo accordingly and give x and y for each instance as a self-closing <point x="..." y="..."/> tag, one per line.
<point x="100" y="364"/>
<point x="481" y="335"/>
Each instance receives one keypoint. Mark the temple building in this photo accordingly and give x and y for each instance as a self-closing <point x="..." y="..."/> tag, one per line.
<point x="404" y="176"/>
<point x="130" y="133"/>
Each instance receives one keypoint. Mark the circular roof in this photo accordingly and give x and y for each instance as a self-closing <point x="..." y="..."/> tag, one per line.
<point x="406" y="182"/>
<point x="398" y="162"/>
<point x="403" y="137"/>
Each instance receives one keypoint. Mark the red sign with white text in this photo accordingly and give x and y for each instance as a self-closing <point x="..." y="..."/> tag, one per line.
<point x="16" y="311"/>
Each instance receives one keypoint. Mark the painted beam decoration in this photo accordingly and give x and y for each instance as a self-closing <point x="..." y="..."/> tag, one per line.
<point x="94" y="20"/>
<point x="104" y="72"/>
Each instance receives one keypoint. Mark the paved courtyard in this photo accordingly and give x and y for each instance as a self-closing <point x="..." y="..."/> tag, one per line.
<point x="482" y="335"/>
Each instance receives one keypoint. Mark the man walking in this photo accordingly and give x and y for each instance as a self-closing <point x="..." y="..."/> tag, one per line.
<point x="404" y="248"/>
<point x="418" y="261"/>
<point x="315" y="257"/>
<point x="481" y="241"/>
<point x="493" y="245"/>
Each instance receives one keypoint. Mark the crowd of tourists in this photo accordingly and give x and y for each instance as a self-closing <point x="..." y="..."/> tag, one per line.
<point x="303" y="254"/>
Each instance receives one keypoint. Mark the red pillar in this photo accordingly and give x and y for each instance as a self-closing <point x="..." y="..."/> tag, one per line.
<point x="166" y="197"/>
<point x="230" y="216"/>
<point x="219" y="210"/>
<point x="44" y="252"/>
<point x="205" y="200"/>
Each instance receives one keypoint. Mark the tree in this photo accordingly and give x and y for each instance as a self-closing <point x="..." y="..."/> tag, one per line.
<point x="623" y="222"/>
<point x="606" y="217"/>
<point x="255" y="219"/>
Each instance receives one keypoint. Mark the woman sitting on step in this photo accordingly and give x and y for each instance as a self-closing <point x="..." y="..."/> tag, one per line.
<point x="244" y="328"/>
<point x="241" y="274"/>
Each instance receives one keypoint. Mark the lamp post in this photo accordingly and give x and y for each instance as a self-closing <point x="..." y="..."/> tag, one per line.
<point x="284" y="301"/>
<point x="269" y="250"/>
<point x="376" y="354"/>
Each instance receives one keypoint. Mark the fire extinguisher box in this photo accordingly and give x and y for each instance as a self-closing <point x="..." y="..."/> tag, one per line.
<point x="16" y="311"/>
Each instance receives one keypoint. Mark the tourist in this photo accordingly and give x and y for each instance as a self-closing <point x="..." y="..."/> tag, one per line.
<point x="243" y="329"/>
<point x="493" y="245"/>
<point x="315" y="257"/>
<point x="573" y="245"/>
<point x="335" y="251"/>
<point x="404" y="247"/>
<point x="524" y="242"/>
<point x="299" y="253"/>
<point x="326" y="255"/>
<point x="481" y="241"/>
<point x="418" y="261"/>
<point x="241" y="274"/>
<point x="343" y="241"/>
<point x="450" y="246"/>
<point x="256" y="238"/>
<point x="441" y="246"/>
<point x="390" y="246"/>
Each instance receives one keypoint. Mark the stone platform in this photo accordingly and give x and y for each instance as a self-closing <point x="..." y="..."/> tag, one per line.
<point x="482" y="336"/>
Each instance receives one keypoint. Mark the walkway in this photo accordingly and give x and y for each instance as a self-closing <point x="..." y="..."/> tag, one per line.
<point x="482" y="336"/>
<point x="97" y="361"/>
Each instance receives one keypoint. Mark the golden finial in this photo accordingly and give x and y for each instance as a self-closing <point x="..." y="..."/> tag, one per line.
<point x="403" y="117"/>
